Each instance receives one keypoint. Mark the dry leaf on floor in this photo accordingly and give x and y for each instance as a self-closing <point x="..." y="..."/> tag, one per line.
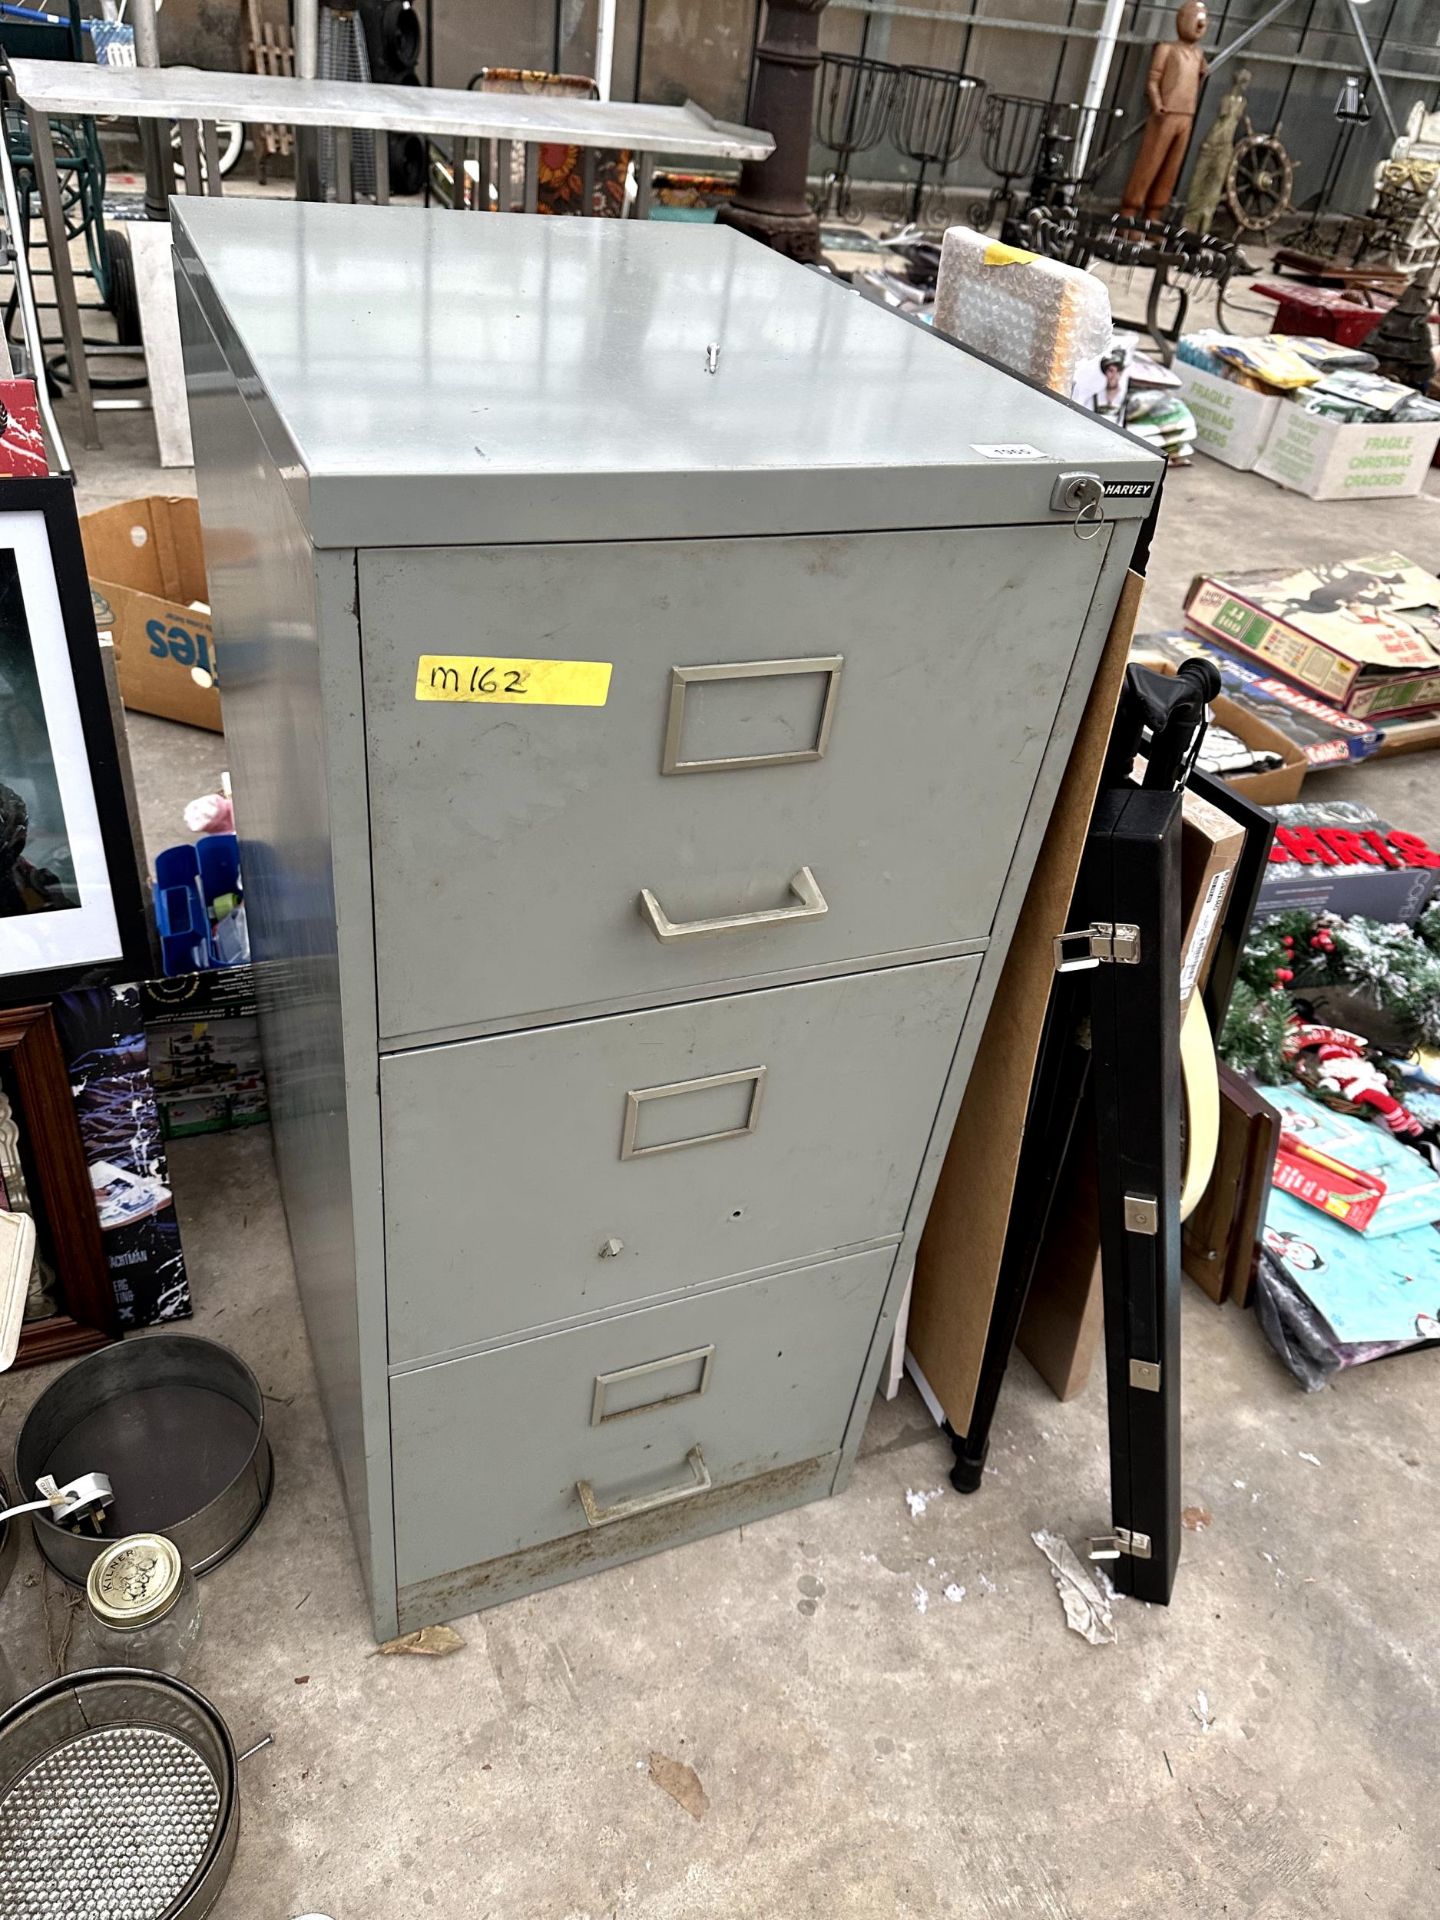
<point x="1197" y="1519"/>
<point x="431" y="1640"/>
<point x="682" y="1783"/>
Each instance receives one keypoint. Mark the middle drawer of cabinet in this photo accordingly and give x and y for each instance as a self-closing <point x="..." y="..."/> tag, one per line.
<point x="536" y="1177"/>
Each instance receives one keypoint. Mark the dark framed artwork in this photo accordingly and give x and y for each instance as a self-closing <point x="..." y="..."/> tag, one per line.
<point x="71" y="905"/>
<point x="70" y="1306"/>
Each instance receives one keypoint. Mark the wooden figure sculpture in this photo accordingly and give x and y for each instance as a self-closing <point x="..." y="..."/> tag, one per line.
<point x="1177" y="67"/>
<point x="1217" y="150"/>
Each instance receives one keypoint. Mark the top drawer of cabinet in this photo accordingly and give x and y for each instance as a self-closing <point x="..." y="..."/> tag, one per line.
<point x="608" y="770"/>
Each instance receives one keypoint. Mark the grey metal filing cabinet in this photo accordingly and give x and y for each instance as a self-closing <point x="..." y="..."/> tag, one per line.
<point x="647" y="668"/>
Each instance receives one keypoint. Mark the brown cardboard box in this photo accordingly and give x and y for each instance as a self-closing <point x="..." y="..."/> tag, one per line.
<point x="146" y="562"/>
<point x="1210" y="847"/>
<point x="1282" y="783"/>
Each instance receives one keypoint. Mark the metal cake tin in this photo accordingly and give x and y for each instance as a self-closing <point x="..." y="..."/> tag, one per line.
<point x="118" y="1795"/>
<point x="178" y="1424"/>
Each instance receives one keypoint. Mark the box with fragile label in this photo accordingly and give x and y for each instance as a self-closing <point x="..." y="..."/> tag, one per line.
<point x="1363" y="634"/>
<point x="1232" y="422"/>
<point x="1339" y="460"/>
<point x="146" y="562"/>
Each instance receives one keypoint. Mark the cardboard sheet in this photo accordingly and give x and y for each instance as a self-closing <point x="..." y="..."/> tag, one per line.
<point x="958" y="1264"/>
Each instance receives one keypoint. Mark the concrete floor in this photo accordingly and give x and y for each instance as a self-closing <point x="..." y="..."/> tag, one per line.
<point x="867" y="1745"/>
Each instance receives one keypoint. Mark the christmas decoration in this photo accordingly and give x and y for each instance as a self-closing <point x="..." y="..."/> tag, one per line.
<point x="1361" y="976"/>
<point x="1340" y="1064"/>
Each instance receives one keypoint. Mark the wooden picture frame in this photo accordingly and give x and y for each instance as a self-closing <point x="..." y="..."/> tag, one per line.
<point x="64" y="1205"/>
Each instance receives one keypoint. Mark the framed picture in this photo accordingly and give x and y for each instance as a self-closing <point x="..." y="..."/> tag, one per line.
<point x="70" y="1303"/>
<point x="71" y="906"/>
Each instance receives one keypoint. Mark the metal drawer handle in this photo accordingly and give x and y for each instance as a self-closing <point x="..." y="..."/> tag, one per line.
<point x="805" y="887"/>
<point x="598" y="1516"/>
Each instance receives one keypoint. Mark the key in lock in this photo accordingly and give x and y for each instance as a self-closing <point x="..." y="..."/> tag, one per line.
<point x="1083" y="496"/>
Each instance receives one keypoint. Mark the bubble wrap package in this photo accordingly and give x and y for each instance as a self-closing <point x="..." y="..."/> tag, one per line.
<point x="1037" y="316"/>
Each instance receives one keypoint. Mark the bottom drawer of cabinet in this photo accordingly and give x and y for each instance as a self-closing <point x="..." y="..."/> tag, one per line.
<point x="579" y="1430"/>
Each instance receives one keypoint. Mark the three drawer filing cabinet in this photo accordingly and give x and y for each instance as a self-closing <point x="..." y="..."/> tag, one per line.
<point x="647" y="668"/>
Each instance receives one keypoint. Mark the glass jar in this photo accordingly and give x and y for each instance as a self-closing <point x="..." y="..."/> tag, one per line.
<point x="143" y="1605"/>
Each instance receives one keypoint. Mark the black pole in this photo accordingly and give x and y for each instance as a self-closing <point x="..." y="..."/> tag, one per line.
<point x="771" y="203"/>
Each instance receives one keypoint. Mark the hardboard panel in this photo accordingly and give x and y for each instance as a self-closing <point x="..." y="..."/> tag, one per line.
<point x="958" y="1264"/>
<point x="490" y="1452"/>
<point x="563" y="1172"/>
<point x="512" y="841"/>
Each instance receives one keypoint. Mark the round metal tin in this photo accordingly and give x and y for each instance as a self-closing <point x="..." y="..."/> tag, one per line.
<point x="117" y="1795"/>
<point x="178" y="1424"/>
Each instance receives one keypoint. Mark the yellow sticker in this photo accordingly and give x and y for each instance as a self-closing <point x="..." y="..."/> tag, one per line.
<point x="997" y="254"/>
<point x="512" y="683"/>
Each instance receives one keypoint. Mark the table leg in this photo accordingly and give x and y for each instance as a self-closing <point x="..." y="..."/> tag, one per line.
<point x="382" y="169"/>
<point x="210" y="143"/>
<point x="53" y="214"/>
<point x="644" y="170"/>
<point x="482" y="176"/>
<point x="532" y="177"/>
<point x="459" y="152"/>
<point x="344" y="167"/>
<point x="190" y="155"/>
<point x="587" y="180"/>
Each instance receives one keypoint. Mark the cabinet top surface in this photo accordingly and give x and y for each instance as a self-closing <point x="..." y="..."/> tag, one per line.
<point x="540" y="378"/>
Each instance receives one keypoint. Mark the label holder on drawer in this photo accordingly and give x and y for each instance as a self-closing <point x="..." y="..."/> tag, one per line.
<point x="638" y="1096"/>
<point x="605" y="1383"/>
<point x="682" y="678"/>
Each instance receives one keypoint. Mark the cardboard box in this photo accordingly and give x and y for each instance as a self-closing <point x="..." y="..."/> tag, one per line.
<point x="1334" y="460"/>
<point x="1327" y="737"/>
<point x="146" y="562"/>
<point x="1232" y="423"/>
<point x="22" y="444"/>
<point x="1210" y="847"/>
<point x="203" y="1032"/>
<point x="1341" y="857"/>
<point x="1281" y="783"/>
<point x="1362" y="634"/>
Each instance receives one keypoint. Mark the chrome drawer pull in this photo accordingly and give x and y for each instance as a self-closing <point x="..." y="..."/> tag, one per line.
<point x="598" y="1516"/>
<point x="805" y="887"/>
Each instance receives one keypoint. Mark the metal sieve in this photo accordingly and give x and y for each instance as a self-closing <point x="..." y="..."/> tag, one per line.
<point x="118" y="1800"/>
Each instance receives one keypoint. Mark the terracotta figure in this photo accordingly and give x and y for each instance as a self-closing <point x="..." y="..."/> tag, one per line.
<point x="1177" y="68"/>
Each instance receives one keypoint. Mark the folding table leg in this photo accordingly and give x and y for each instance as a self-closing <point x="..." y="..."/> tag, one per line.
<point x="53" y="213"/>
<point x="644" y="172"/>
<point x="210" y="142"/>
<point x="190" y="156"/>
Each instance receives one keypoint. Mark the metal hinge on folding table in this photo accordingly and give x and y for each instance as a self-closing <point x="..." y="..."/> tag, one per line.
<point x="1103" y="942"/>
<point x="1110" y="1546"/>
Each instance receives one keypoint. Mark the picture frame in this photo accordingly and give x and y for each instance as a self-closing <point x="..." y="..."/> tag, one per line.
<point x="72" y="908"/>
<point x="43" y="1168"/>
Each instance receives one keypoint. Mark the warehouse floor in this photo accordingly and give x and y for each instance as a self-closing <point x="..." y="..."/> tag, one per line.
<point x="869" y="1739"/>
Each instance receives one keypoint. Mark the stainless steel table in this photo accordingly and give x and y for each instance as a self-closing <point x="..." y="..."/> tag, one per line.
<point x="197" y="100"/>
